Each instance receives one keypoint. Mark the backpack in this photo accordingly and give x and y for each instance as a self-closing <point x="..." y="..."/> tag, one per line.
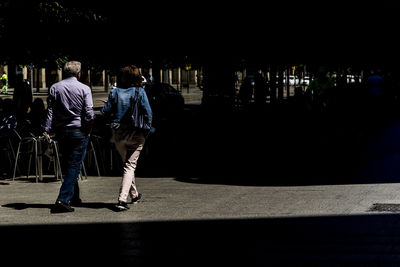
<point x="136" y="117"/>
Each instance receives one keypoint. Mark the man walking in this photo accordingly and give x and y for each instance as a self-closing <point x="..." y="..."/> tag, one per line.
<point x="70" y="116"/>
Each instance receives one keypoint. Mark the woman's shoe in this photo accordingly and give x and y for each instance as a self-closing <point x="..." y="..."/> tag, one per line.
<point x="136" y="199"/>
<point x="121" y="206"/>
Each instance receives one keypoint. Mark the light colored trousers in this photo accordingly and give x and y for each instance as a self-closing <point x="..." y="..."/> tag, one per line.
<point x="129" y="146"/>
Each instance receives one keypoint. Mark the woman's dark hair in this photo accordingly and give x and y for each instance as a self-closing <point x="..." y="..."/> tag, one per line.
<point x="129" y="76"/>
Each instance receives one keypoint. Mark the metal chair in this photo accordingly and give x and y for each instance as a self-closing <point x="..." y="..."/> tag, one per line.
<point x="84" y="171"/>
<point x="30" y="143"/>
<point x="57" y="164"/>
<point x="91" y="154"/>
<point x="6" y="148"/>
<point x="54" y="156"/>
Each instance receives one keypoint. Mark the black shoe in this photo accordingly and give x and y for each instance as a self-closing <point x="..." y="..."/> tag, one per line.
<point x="76" y="202"/>
<point x="136" y="199"/>
<point x="121" y="206"/>
<point x="61" y="207"/>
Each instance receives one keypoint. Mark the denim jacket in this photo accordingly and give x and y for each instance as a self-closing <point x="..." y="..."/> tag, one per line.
<point x="119" y="101"/>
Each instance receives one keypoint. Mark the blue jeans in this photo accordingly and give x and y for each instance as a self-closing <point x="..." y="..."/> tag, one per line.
<point x="72" y="143"/>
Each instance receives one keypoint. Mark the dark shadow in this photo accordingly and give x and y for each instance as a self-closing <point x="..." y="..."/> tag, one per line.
<point x="274" y="146"/>
<point x="23" y="206"/>
<point x="279" y="144"/>
<point x="89" y="205"/>
<point x="32" y="179"/>
<point x="303" y="241"/>
<point x="98" y="205"/>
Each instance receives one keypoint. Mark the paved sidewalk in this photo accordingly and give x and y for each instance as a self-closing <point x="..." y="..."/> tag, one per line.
<point x="25" y="202"/>
<point x="191" y="223"/>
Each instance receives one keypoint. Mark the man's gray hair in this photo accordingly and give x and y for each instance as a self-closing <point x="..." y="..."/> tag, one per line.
<point x="72" y="68"/>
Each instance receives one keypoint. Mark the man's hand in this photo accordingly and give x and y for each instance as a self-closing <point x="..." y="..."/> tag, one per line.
<point x="90" y="127"/>
<point x="47" y="137"/>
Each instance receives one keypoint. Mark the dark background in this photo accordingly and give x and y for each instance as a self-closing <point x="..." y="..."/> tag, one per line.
<point x="123" y="30"/>
<point x="337" y="32"/>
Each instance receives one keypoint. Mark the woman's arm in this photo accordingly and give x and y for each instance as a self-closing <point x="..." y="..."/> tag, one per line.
<point x="107" y="109"/>
<point x="146" y="105"/>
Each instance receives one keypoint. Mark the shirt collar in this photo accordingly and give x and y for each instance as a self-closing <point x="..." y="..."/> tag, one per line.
<point x="71" y="78"/>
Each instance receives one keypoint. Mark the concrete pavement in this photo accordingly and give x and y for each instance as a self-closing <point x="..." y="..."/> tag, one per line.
<point x="189" y="222"/>
<point x="24" y="202"/>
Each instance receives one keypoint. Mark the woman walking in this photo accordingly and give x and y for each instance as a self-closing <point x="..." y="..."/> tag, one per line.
<point x="129" y="141"/>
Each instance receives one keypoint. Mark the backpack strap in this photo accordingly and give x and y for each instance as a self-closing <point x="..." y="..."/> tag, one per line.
<point x="137" y="94"/>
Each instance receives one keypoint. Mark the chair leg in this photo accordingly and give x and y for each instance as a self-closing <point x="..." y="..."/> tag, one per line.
<point x="16" y="160"/>
<point x="102" y="156"/>
<point x="13" y="153"/>
<point x="57" y="161"/>
<point x="9" y="159"/>
<point x="84" y="171"/>
<point x="95" y="159"/>
<point x="11" y="147"/>
<point x="29" y="165"/>
<point x="40" y="159"/>
<point x="35" y="153"/>
<point x="54" y="166"/>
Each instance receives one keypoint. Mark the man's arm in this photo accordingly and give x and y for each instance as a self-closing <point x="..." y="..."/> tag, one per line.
<point x="49" y="113"/>
<point x="89" y="115"/>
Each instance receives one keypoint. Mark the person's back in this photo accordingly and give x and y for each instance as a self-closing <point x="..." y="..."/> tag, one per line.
<point x="70" y="115"/>
<point x="70" y="99"/>
<point x="129" y="141"/>
<point x="130" y="88"/>
<point x="122" y="98"/>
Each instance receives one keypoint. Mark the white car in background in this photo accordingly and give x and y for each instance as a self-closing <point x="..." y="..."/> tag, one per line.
<point x="305" y="80"/>
<point x="294" y="80"/>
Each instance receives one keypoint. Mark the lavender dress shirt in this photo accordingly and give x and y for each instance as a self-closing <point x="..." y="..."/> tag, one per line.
<point x="70" y="104"/>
